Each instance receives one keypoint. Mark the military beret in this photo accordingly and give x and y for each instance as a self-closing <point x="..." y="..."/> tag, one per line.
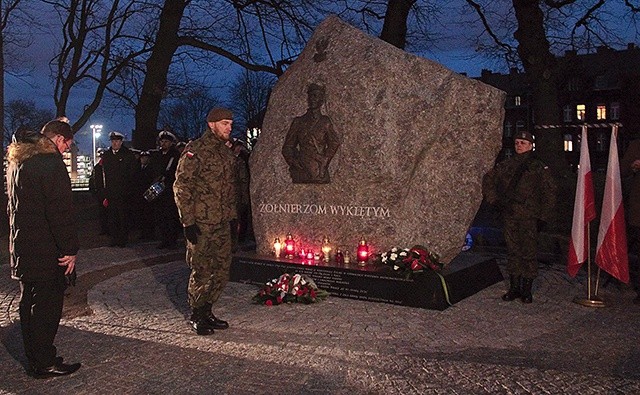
<point x="218" y="114"/>
<point x="116" y="136"/>
<point x="524" y="136"/>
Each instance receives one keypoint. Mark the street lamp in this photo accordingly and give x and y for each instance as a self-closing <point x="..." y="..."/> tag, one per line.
<point x="95" y="132"/>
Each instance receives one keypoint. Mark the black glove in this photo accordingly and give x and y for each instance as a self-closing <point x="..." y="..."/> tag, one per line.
<point x="191" y="233"/>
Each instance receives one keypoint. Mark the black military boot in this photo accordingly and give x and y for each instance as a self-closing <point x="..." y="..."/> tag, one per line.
<point x="199" y="322"/>
<point x="526" y="296"/>
<point x="514" y="289"/>
<point x="214" y="322"/>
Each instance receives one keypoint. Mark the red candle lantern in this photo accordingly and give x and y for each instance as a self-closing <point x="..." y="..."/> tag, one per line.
<point x="310" y="254"/>
<point x="363" y="252"/>
<point x="289" y="246"/>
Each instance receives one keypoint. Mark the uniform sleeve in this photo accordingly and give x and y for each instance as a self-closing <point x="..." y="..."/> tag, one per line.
<point x="184" y="189"/>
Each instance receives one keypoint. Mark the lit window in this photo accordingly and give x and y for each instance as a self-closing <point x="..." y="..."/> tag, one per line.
<point x="568" y="142"/>
<point x="581" y="111"/>
<point x="517" y="101"/>
<point x="601" y="112"/>
<point x="615" y="111"/>
<point x="567" y="112"/>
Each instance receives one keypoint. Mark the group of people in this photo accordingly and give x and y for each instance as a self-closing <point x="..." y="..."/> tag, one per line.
<point x="201" y="189"/>
<point x="522" y="189"/>
<point x="119" y="181"/>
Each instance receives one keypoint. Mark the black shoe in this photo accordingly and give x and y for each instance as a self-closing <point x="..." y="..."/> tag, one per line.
<point x="511" y="295"/>
<point x="527" y="295"/>
<point x="58" y="369"/>
<point x="216" y="323"/>
<point x="201" y="327"/>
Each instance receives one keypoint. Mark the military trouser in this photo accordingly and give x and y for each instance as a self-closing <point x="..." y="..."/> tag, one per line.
<point x="521" y="236"/>
<point x="209" y="260"/>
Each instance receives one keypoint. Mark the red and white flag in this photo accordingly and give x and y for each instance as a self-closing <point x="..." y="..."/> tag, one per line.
<point x="611" y="252"/>
<point x="584" y="210"/>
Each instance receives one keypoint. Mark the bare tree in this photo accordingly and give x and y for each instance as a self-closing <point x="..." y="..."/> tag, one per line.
<point x="14" y="35"/>
<point x="185" y="115"/>
<point x="249" y="94"/>
<point x="24" y="114"/>
<point x="528" y="33"/>
<point x="97" y="44"/>
<point x="258" y="35"/>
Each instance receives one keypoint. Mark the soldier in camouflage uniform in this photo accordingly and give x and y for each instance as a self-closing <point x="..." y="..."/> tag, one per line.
<point x="523" y="190"/>
<point x="205" y="194"/>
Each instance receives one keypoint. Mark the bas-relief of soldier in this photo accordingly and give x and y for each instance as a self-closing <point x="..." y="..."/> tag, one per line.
<point x="311" y="142"/>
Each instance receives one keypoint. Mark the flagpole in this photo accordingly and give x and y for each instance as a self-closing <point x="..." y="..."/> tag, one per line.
<point x="589" y="301"/>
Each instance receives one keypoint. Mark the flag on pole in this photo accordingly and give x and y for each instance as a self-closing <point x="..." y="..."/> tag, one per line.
<point x="584" y="210"/>
<point x="611" y="252"/>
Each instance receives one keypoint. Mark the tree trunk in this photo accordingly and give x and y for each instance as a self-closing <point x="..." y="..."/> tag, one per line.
<point x="155" y="81"/>
<point x="540" y="66"/>
<point x="394" y="30"/>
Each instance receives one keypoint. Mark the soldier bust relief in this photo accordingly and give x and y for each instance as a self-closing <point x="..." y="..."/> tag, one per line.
<point x="311" y="142"/>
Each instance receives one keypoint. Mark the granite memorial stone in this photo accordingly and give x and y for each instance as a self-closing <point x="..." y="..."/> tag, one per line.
<point x="364" y="140"/>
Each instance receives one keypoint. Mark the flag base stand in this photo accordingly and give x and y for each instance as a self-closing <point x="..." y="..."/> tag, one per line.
<point x="589" y="302"/>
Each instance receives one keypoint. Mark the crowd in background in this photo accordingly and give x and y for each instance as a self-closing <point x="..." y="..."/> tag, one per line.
<point x="123" y="176"/>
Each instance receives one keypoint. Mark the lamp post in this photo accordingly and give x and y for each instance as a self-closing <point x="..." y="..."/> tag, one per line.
<point x="95" y="132"/>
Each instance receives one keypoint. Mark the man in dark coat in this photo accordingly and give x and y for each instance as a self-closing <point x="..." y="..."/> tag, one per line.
<point x="143" y="178"/>
<point x="43" y="240"/>
<point x="118" y="165"/>
<point x="165" y="162"/>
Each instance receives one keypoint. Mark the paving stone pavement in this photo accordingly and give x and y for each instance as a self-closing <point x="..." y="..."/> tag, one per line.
<point x="136" y="341"/>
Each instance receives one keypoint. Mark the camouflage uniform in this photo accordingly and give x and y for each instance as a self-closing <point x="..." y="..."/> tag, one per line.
<point x="205" y="194"/>
<point x="522" y="203"/>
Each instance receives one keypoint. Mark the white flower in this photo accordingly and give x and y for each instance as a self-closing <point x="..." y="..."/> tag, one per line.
<point x="394" y="249"/>
<point x="384" y="258"/>
<point x="403" y="253"/>
<point x="394" y="256"/>
<point x="296" y="279"/>
<point x="396" y="267"/>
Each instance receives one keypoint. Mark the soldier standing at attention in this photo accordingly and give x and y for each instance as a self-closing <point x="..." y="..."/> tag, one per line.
<point x="205" y="195"/>
<point x="524" y="192"/>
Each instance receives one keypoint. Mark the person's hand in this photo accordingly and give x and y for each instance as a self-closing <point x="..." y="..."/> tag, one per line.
<point x="105" y="203"/>
<point x="191" y="233"/>
<point x="69" y="261"/>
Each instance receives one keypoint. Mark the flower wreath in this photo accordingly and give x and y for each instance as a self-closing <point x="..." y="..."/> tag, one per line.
<point x="287" y="288"/>
<point x="411" y="260"/>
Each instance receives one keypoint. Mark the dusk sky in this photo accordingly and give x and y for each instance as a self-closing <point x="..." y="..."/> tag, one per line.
<point x="454" y="51"/>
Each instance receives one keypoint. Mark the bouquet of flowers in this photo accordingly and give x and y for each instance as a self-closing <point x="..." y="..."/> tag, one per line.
<point x="288" y="288"/>
<point x="411" y="260"/>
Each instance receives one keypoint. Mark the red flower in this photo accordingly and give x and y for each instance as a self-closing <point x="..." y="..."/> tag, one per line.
<point x="268" y="302"/>
<point x="279" y="299"/>
<point x="415" y="265"/>
<point x="313" y="294"/>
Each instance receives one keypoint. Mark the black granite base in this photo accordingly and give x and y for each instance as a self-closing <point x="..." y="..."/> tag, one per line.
<point x="464" y="276"/>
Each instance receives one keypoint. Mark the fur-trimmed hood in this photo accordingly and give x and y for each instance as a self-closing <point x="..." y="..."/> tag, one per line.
<point x="18" y="152"/>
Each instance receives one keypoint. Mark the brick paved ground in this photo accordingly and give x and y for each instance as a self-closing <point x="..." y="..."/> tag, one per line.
<point x="136" y="340"/>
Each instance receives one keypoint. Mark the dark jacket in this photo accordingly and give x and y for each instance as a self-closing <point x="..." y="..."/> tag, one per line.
<point x="522" y="188"/>
<point x="41" y="216"/>
<point x="118" y="171"/>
